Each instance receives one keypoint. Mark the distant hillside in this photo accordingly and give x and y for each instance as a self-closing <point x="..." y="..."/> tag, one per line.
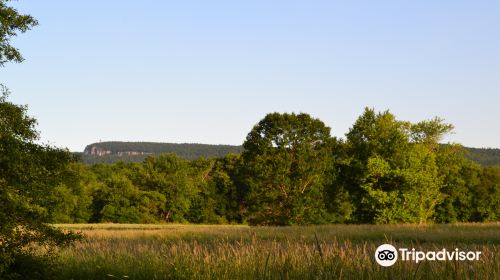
<point x="110" y="152"/>
<point x="484" y="156"/>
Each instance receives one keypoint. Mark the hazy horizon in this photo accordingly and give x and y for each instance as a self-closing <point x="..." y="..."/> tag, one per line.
<point x="208" y="71"/>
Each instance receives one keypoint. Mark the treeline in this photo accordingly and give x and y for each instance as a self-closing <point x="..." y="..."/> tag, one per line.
<point x="484" y="156"/>
<point x="164" y="188"/>
<point x="109" y="159"/>
<point x="293" y="172"/>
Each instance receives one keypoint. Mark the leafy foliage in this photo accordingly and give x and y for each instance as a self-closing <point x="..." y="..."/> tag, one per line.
<point x="486" y="196"/>
<point x="485" y="156"/>
<point x="293" y="172"/>
<point x="28" y="172"/>
<point x="122" y="202"/>
<point x="284" y="161"/>
<point x="389" y="169"/>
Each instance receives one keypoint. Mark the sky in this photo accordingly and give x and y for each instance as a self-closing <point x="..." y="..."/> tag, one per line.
<point x="207" y="71"/>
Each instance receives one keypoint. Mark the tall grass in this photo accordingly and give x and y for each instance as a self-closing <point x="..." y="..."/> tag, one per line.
<point x="240" y="252"/>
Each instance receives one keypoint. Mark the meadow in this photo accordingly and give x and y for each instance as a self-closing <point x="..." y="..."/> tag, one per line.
<point x="120" y="251"/>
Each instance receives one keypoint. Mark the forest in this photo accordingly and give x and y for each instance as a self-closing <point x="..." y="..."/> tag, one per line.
<point x="291" y="171"/>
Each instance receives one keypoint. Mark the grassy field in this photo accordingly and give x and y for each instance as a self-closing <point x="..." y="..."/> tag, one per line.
<point x="112" y="251"/>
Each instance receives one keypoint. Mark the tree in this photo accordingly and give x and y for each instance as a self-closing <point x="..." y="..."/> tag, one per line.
<point x="28" y="172"/>
<point x="406" y="193"/>
<point x="70" y="201"/>
<point x="220" y="196"/>
<point x="460" y="177"/>
<point x="486" y="197"/>
<point x="170" y="176"/>
<point x="120" y="201"/>
<point x="229" y="191"/>
<point x="372" y="134"/>
<point x="390" y="169"/>
<point x="11" y="22"/>
<point x="284" y="160"/>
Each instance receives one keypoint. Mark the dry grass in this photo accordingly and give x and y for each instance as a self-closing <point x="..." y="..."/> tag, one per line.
<point x="242" y="252"/>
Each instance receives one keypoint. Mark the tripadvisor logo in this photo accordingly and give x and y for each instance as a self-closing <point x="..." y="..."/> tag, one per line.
<point x="387" y="255"/>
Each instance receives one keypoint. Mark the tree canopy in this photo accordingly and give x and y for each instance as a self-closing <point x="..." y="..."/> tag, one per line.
<point x="28" y="172"/>
<point x="291" y="172"/>
<point x="285" y="158"/>
<point x="390" y="168"/>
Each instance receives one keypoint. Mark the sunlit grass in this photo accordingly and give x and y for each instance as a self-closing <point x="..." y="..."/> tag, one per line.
<point x="241" y="252"/>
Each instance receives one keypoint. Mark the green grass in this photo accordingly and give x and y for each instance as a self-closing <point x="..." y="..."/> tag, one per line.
<point x="240" y="252"/>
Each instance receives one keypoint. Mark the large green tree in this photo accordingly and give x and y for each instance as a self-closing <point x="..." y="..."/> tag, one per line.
<point x="390" y="168"/>
<point x="70" y="201"/>
<point x="28" y="173"/>
<point x="121" y="201"/>
<point x="220" y="196"/>
<point x="172" y="177"/>
<point x="459" y="177"/>
<point x="230" y="192"/>
<point x="285" y="158"/>
<point x="486" y="197"/>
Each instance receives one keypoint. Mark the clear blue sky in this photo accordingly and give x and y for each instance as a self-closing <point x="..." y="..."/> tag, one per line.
<point x="207" y="71"/>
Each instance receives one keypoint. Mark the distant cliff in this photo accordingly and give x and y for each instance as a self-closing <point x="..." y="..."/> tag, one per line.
<point x="109" y="152"/>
